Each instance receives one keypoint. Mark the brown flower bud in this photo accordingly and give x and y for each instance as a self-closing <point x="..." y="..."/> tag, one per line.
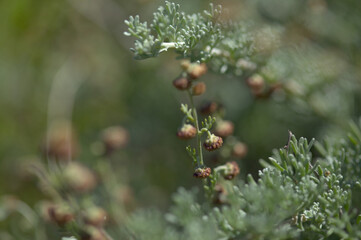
<point x="187" y="131"/>
<point x="114" y="138"/>
<point x="202" y="172"/>
<point x="196" y="70"/>
<point x="327" y="173"/>
<point x="181" y="83"/>
<point x="199" y="89"/>
<point x="224" y="128"/>
<point x="95" y="216"/>
<point x="208" y="108"/>
<point x="61" y="142"/>
<point x="239" y="150"/>
<point x="185" y="64"/>
<point x="232" y="170"/>
<point x="59" y="214"/>
<point x="79" y="178"/>
<point x="256" y="83"/>
<point x="213" y="142"/>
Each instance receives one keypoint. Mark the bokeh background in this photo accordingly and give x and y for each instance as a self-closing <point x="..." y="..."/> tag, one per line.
<point x="69" y="60"/>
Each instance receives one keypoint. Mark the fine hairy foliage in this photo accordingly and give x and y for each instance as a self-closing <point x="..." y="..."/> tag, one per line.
<point x="297" y="196"/>
<point x="201" y="37"/>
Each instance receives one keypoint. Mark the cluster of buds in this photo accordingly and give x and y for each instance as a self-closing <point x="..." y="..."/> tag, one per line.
<point x="193" y="71"/>
<point x="202" y="172"/>
<point x="79" y="178"/>
<point x="213" y="142"/>
<point x="187" y="131"/>
<point x="224" y="128"/>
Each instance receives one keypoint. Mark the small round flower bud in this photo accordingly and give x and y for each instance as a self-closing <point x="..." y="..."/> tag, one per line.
<point x="232" y="170"/>
<point x="202" y="172"/>
<point x="185" y="64"/>
<point x="199" y="89"/>
<point x="196" y="70"/>
<point x="79" y="178"/>
<point x="256" y="83"/>
<point x="61" y="142"/>
<point x="95" y="216"/>
<point x="208" y="108"/>
<point x="181" y="83"/>
<point x="224" y="128"/>
<point x="213" y="142"/>
<point x="114" y="138"/>
<point x="239" y="150"/>
<point x="327" y="173"/>
<point x="187" y="131"/>
<point x="58" y="214"/>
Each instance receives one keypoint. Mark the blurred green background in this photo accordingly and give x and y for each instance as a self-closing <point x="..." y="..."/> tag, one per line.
<point x="69" y="60"/>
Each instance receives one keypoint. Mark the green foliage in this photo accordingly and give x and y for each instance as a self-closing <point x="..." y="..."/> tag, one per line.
<point x="201" y="37"/>
<point x="297" y="196"/>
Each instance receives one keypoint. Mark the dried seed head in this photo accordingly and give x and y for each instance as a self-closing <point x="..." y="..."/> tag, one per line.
<point x="256" y="83"/>
<point x="181" y="83"/>
<point x="213" y="142"/>
<point x="59" y="214"/>
<point x="202" y="172"/>
<point x="199" y="89"/>
<point x="224" y="128"/>
<point x="114" y="138"/>
<point x="239" y="150"/>
<point x="95" y="216"/>
<point x="187" y="131"/>
<point x="208" y="108"/>
<point x="79" y="178"/>
<point x="232" y="170"/>
<point x="196" y="70"/>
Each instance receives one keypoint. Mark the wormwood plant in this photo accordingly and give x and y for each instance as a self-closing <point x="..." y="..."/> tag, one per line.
<point x="296" y="195"/>
<point x="305" y="190"/>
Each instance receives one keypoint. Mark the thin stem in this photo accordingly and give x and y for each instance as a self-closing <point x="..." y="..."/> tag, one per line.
<point x="199" y="133"/>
